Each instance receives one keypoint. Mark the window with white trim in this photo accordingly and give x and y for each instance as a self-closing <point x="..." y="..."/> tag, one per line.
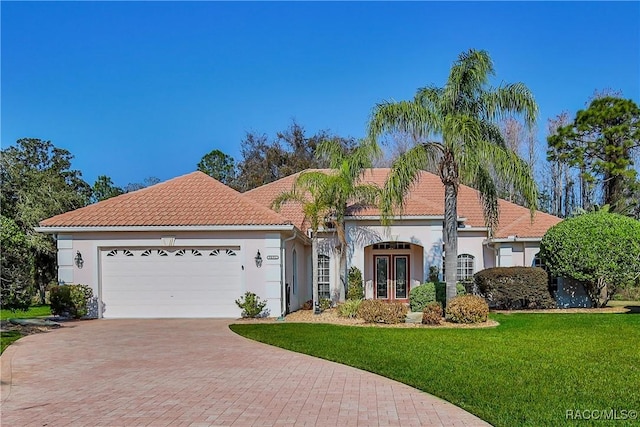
<point x="466" y="267"/>
<point x="323" y="277"/>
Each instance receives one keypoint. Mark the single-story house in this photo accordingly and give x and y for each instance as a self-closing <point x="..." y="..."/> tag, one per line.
<point x="191" y="246"/>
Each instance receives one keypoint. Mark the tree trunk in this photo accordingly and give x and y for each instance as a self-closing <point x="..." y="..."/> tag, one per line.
<point x="314" y="270"/>
<point x="450" y="235"/>
<point x="342" y="240"/>
<point x="449" y="176"/>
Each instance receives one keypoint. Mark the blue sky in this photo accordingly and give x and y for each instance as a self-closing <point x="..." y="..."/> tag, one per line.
<point x="139" y="89"/>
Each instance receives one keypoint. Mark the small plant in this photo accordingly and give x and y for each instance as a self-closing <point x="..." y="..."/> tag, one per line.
<point x="467" y="309"/>
<point x="377" y="311"/>
<point x="422" y="295"/>
<point x="251" y="305"/>
<point x="325" y="304"/>
<point x="356" y="287"/>
<point x="432" y="314"/>
<point x="349" y="308"/>
<point x="70" y="300"/>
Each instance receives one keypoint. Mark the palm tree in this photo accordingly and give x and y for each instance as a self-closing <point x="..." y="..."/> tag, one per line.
<point x="456" y="134"/>
<point x="326" y="196"/>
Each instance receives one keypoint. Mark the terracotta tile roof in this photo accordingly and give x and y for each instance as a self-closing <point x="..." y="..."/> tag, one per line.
<point x="193" y="199"/>
<point x="425" y="198"/>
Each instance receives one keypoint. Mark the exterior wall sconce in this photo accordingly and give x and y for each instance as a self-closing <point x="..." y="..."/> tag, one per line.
<point x="258" y="259"/>
<point x="78" y="260"/>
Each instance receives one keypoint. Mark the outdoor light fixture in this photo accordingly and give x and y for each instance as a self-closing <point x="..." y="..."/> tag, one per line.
<point x="258" y="259"/>
<point x="78" y="259"/>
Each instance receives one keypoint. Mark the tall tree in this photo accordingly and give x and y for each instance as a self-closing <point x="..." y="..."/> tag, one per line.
<point x="218" y="165"/>
<point x="601" y="143"/>
<point x="37" y="183"/>
<point x="329" y="195"/>
<point x="104" y="189"/>
<point x="468" y="146"/>
<point x="265" y="160"/>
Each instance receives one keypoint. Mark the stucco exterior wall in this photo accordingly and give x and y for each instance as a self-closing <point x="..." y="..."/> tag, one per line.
<point x="264" y="281"/>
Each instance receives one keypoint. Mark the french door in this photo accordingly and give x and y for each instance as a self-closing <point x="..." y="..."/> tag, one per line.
<point x="392" y="277"/>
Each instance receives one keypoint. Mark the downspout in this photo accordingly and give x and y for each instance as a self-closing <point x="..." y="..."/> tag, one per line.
<point x="283" y="276"/>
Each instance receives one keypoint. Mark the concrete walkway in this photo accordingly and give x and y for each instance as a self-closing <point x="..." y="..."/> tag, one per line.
<point x="195" y="373"/>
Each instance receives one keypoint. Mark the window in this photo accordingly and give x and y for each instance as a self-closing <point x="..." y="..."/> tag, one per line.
<point x="537" y="262"/>
<point x="465" y="267"/>
<point x="323" y="277"/>
<point x="392" y="245"/>
<point x="294" y="259"/>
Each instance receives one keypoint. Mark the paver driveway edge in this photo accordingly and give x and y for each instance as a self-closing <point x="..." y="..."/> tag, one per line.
<point x="5" y="372"/>
<point x="174" y="372"/>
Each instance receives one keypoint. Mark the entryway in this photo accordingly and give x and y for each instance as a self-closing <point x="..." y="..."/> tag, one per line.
<point x="392" y="277"/>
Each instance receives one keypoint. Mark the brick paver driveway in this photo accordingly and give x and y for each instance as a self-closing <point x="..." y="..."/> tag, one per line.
<point x="195" y="372"/>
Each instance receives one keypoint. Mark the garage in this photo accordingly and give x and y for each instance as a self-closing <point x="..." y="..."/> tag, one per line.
<point x="171" y="282"/>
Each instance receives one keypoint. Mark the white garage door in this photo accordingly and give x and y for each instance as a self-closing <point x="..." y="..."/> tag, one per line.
<point x="182" y="282"/>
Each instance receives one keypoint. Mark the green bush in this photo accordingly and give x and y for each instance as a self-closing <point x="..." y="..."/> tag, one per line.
<point x="251" y="305"/>
<point x="356" y="287"/>
<point x="325" y="304"/>
<point x="441" y="292"/>
<point x="515" y="288"/>
<point x="70" y="300"/>
<point x="422" y="295"/>
<point x="432" y="314"/>
<point x="467" y="309"/>
<point x="377" y="311"/>
<point x="349" y="308"/>
<point x="601" y="250"/>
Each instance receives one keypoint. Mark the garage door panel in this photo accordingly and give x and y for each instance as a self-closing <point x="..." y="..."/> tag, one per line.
<point x="144" y="283"/>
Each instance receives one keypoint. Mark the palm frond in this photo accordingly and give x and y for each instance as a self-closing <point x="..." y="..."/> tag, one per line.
<point x="404" y="116"/>
<point x="510" y="98"/>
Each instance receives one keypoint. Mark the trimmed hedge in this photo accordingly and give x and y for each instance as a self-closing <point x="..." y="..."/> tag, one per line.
<point x="441" y="292"/>
<point x="515" y="288"/>
<point x="422" y="295"/>
<point x="467" y="309"/>
<point x="377" y="311"/>
<point x="356" y="287"/>
<point x="432" y="314"/>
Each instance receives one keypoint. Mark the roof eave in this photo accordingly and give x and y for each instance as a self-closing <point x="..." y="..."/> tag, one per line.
<point x="167" y="228"/>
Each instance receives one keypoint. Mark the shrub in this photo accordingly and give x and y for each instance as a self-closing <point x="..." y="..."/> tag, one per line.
<point x="70" y="300"/>
<point x="434" y="273"/>
<point x="514" y="288"/>
<point x="467" y="309"/>
<point x="356" y="287"/>
<point x="377" y="311"/>
<point x="432" y="314"/>
<point x="251" y="305"/>
<point x="308" y="305"/>
<point x="349" y="308"/>
<point x="441" y="292"/>
<point x="325" y="304"/>
<point x="422" y="295"/>
<point x="600" y="249"/>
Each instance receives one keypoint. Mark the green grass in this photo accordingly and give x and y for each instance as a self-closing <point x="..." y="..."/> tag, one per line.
<point x="34" y="311"/>
<point x="8" y="337"/>
<point x="527" y="372"/>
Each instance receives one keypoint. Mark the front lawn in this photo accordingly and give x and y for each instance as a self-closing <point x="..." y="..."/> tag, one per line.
<point x="530" y="370"/>
<point x="8" y="337"/>
<point x="34" y="311"/>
